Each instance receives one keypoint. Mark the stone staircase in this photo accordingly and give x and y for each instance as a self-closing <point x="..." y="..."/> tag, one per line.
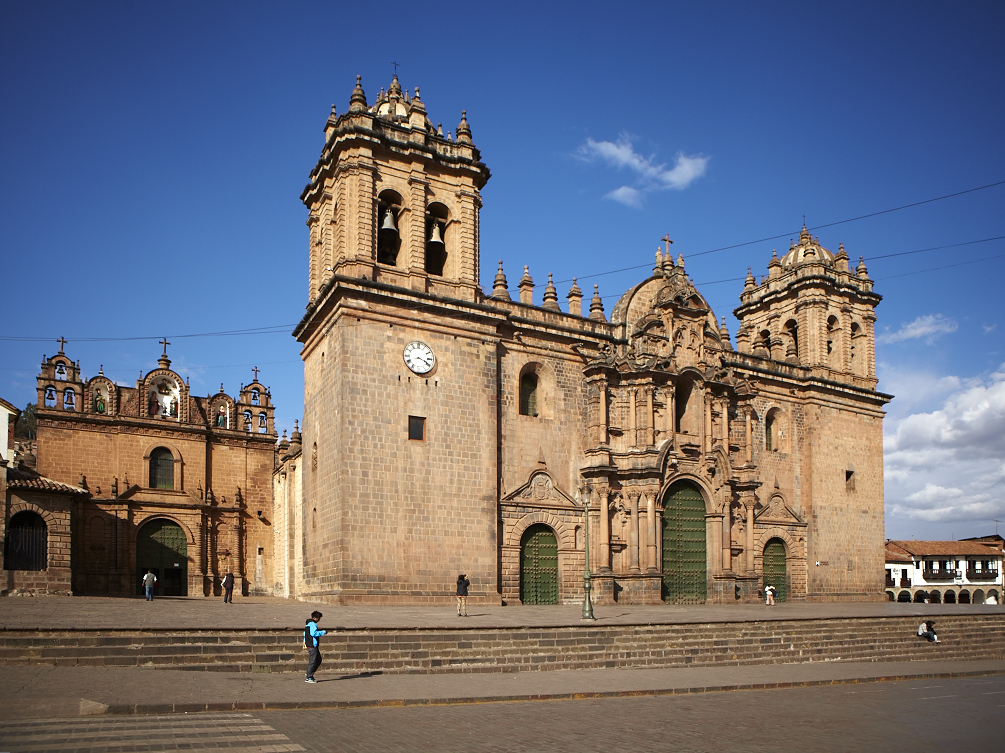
<point x="964" y="637"/>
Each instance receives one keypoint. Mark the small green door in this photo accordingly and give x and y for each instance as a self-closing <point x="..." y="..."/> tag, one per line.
<point x="539" y="566"/>
<point x="774" y="568"/>
<point x="161" y="548"/>
<point x="685" y="579"/>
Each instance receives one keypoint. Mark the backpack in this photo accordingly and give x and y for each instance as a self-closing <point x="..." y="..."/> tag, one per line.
<point x="309" y="640"/>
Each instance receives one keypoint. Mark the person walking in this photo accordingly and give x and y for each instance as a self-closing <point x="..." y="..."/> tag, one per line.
<point x="228" y="588"/>
<point x="149" y="581"/>
<point x="311" y="636"/>
<point x="769" y="596"/>
<point x="462" y="595"/>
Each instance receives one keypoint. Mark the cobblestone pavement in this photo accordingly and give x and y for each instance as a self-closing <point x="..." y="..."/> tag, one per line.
<point x="263" y="612"/>
<point x="926" y="715"/>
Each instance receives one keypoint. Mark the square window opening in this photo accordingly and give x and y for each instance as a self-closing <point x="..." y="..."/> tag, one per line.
<point x="417" y="428"/>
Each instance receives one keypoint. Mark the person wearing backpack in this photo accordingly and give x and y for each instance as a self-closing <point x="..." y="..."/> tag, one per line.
<point x="311" y="636"/>
<point x="149" y="581"/>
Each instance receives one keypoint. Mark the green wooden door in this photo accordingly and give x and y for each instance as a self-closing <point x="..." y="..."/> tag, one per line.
<point x="684" y="562"/>
<point x="161" y="548"/>
<point x="774" y="568"/>
<point x="539" y="566"/>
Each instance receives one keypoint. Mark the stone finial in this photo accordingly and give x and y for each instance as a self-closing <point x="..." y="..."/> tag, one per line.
<point x="658" y="268"/>
<point x="597" y="306"/>
<point x="774" y="265"/>
<point x="295" y="437"/>
<point x="439" y="129"/>
<point x="357" y="102"/>
<point x="680" y="260"/>
<point x="394" y="90"/>
<point x="526" y="286"/>
<point x="841" y="259"/>
<point x="749" y="283"/>
<point x="724" y="334"/>
<point x="550" y="301"/>
<point x="575" y="297"/>
<point x="860" y="270"/>
<point x="500" y="288"/>
<point x="463" y="129"/>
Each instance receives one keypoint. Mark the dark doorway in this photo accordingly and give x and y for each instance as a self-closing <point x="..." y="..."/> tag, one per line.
<point x="539" y="566"/>
<point x="161" y="548"/>
<point x="685" y="579"/>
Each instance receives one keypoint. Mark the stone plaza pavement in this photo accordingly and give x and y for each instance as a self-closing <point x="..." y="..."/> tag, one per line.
<point x="56" y="692"/>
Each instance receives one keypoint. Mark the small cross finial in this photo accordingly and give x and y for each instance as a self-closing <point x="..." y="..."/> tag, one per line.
<point x="165" y="343"/>
<point x="256" y="370"/>
<point x="62" y="343"/>
<point x="666" y="239"/>
<point x="395" y="69"/>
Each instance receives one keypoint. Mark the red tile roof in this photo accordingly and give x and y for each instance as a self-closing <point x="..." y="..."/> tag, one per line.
<point x="22" y="478"/>
<point x="943" y="548"/>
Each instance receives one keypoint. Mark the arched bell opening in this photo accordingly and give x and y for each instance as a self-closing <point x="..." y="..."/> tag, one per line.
<point x="388" y="236"/>
<point x="437" y="217"/>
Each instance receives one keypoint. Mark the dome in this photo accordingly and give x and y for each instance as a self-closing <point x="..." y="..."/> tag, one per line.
<point x="807" y="251"/>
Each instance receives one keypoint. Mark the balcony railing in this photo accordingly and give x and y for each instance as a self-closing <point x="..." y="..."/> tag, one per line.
<point x="905" y="582"/>
<point x="982" y="575"/>
<point x="891" y="583"/>
<point x="935" y="575"/>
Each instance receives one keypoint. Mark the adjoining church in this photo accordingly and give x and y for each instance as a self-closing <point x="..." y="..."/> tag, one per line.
<point x="450" y="431"/>
<point x="131" y="478"/>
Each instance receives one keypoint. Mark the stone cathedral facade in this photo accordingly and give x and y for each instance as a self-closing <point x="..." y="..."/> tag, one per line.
<point x="448" y="430"/>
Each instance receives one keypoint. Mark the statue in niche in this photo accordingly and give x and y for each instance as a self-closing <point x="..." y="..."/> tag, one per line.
<point x="155" y="405"/>
<point x="173" y="410"/>
<point x="99" y="402"/>
<point x="221" y="417"/>
<point x="163" y="387"/>
<point x="115" y="486"/>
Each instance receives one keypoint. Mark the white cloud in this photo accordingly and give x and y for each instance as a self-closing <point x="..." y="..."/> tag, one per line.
<point x="928" y="327"/>
<point x="948" y="465"/>
<point x="989" y="328"/>
<point x="651" y="176"/>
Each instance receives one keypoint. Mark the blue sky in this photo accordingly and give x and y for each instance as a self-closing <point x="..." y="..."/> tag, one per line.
<point x="152" y="156"/>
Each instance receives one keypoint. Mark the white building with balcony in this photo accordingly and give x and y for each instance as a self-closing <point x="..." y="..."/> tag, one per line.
<point x="950" y="572"/>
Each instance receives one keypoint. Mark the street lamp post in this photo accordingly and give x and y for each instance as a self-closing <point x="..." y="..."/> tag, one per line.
<point x="587" y="601"/>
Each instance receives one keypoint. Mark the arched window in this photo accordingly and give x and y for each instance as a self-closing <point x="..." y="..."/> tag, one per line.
<point x="792" y="329"/>
<point x="771" y="431"/>
<point x="26" y="544"/>
<point x="528" y="394"/>
<point x="832" y="337"/>
<point x="161" y="469"/>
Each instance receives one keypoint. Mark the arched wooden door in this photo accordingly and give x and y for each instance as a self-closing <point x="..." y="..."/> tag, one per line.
<point x="774" y="568"/>
<point x="685" y="570"/>
<point x="161" y="548"/>
<point x="539" y="566"/>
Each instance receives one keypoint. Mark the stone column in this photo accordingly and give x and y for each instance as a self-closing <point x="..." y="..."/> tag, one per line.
<point x="672" y="415"/>
<point x="749" y="503"/>
<point x="724" y="412"/>
<point x="633" y="428"/>
<point x="650" y="417"/>
<point x="603" y="497"/>
<point x="604" y="423"/>
<point x="651" y="540"/>
<point x="634" y="533"/>
<point x="727" y="543"/>
<point x="707" y="427"/>
<point x="749" y="439"/>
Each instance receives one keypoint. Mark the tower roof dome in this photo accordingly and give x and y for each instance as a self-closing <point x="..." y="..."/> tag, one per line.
<point x="807" y="251"/>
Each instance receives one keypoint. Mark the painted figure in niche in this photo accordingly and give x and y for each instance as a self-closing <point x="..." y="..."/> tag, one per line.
<point x="155" y="405"/>
<point x="174" y="407"/>
<point x="164" y="388"/>
<point x="99" y="402"/>
<point x="60" y="371"/>
<point x="221" y="417"/>
<point x="69" y="400"/>
<point x="50" y="397"/>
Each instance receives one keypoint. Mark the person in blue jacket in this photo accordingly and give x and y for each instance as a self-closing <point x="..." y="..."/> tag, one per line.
<point x="311" y="636"/>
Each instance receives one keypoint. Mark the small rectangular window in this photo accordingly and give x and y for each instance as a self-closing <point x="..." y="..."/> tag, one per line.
<point x="849" y="481"/>
<point x="417" y="428"/>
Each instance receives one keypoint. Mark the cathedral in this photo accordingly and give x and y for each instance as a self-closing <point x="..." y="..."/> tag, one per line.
<point x="135" y="478"/>
<point x="448" y="430"/>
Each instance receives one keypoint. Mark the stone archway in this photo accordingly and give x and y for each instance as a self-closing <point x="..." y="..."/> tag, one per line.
<point x="685" y="566"/>
<point x="162" y="548"/>
<point x="539" y="565"/>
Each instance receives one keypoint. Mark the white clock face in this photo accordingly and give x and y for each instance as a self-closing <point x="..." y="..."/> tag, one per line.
<point x="419" y="357"/>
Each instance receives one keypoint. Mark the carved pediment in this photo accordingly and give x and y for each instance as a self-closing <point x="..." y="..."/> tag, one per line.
<point x="540" y="489"/>
<point x="776" y="511"/>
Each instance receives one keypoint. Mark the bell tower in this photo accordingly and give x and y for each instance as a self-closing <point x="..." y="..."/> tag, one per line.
<point x="394" y="200"/>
